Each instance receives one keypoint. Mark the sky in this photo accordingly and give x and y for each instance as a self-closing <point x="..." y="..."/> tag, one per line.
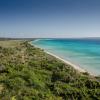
<point x="49" y="18"/>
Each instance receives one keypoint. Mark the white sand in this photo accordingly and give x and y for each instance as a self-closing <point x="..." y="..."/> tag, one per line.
<point x="67" y="62"/>
<point x="63" y="60"/>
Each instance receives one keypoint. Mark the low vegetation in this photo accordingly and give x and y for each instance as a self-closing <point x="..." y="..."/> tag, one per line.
<point x="28" y="73"/>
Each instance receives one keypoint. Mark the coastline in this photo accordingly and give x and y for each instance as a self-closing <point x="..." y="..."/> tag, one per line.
<point x="76" y="67"/>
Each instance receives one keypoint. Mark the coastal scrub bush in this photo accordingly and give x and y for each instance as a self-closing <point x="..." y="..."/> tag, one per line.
<point x="28" y="73"/>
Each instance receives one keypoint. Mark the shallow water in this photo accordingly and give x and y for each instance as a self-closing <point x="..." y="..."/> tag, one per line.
<point x="82" y="52"/>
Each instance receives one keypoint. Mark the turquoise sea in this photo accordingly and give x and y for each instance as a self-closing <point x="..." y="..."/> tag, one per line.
<point x="82" y="52"/>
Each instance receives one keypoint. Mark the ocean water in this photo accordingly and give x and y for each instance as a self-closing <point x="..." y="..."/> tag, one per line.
<point x="82" y="52"/>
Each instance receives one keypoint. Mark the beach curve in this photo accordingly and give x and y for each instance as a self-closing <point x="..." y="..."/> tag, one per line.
<point x="76" y="67"/>
<point x="66" y="62"/>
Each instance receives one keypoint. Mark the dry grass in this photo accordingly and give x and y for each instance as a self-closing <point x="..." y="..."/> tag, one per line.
<point x="1" y="88"/>
<point x="10" y="43"/>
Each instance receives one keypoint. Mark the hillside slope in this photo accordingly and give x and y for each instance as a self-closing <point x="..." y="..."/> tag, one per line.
<point x="28" y="73"/>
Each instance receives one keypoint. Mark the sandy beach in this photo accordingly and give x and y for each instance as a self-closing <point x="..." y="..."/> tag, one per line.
<point x="78" y="68"/>
<point x="67" y="62"/>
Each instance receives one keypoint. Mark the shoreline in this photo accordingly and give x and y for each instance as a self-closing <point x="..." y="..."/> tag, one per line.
<point x="66" y="62"/>
<point x="63" y="60"/>
<point x="76" y="67"/>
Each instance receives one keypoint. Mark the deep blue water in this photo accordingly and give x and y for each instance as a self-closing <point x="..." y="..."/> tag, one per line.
<point x="82" y="52"/>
